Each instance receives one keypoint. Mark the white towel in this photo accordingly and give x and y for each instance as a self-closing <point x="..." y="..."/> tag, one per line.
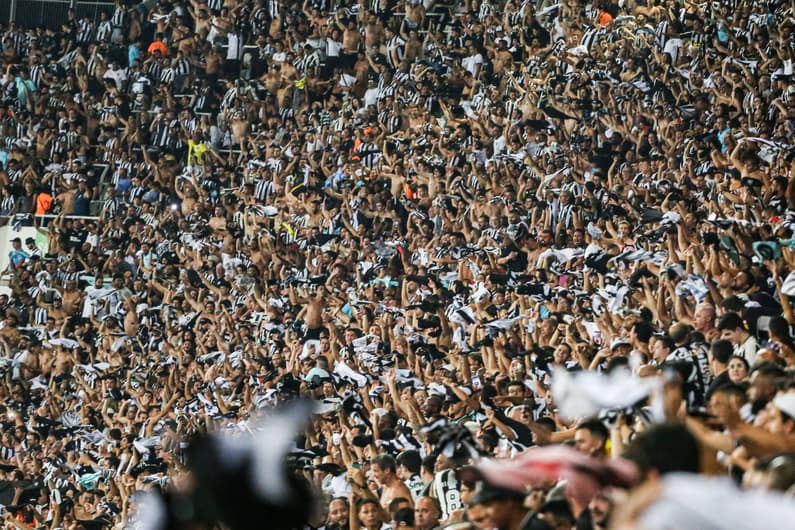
<point x="346" y="372"/>
<point x="66" y="343"/>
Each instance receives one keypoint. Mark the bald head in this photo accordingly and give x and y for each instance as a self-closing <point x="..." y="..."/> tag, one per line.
<point x="427" y="513"/>
<point x="704" y="317"/>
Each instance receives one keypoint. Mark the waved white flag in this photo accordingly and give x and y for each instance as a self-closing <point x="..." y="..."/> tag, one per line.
<point x="587" y="393"/>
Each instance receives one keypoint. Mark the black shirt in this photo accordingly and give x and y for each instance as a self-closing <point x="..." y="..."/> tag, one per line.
<point x="721" y="380"/>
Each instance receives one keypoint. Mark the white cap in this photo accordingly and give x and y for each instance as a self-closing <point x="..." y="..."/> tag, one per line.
<point x="786" y="403"/>
<point x="618" y="341"/>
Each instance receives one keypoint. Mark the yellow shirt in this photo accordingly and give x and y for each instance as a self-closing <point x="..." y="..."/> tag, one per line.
<point x="196" y="150"/>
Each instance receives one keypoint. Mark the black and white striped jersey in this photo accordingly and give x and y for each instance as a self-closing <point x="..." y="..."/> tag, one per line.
<point x="85" y="30"/>
<point x="446" y="489"/>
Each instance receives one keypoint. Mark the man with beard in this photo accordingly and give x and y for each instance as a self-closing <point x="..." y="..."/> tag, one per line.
<point x="597" y="516"/>
<point x="544" y="240"/>
<point x="338" y="514"/>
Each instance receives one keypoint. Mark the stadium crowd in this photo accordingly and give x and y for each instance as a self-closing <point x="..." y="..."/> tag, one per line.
<point x="427" y="217"/>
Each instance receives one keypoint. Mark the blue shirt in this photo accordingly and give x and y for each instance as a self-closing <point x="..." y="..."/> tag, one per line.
<point x="23" y="87"/>
<point x="132" y="54"/>
<point x="123" y="185"/>
<point x="15" y="257"/>
<point x="82" y="204"/>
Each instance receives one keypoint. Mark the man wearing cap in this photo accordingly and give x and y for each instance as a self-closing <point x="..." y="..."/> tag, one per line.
<point x="782" y="416"/>
<point x="620" y="346"/>
<point x="31" y="248"/>
<point x="554" y="514"/>
<point x="17" y="256"/>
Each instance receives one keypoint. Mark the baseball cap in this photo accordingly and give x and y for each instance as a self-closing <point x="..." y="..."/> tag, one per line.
<point x="316" y="372"/>
<point x="786" y="403"/>
<point x="618" y="341"/>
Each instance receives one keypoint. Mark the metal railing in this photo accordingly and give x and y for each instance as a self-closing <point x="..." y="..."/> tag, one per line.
<point x="41" y="216"/>
<point x="50" y="13"/>
<point x="40" y="220"/>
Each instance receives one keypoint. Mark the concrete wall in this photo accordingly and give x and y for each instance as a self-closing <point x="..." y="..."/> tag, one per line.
<point x="7" y="233"/>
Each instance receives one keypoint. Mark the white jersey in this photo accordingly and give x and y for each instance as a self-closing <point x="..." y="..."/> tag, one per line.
<point x="416" y="486"/>
<point x="446" y="488"/>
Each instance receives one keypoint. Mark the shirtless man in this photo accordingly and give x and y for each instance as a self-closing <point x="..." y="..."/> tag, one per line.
<point x="272" y="79"/>
<point x="351" y="40"/>
<point x="220" y="25"/>
<point x="503" y="58"/>
<point x="240" y="126"/>
<point x="188" y="198"/>
<point x="413" y="47"/>
<point x="312" y="312"/>
<point x="180" y="33"/>
<point x="131" y="318"/>
<point x="67" y="199"/>
<point x="414" y="18"/>
<point x="64" y="361"/>
<point x="161" y="21"/>
<point x="384" y="470"/>
<point x="289" y="75"/>
<point x="56" y="314"/>
<point x="373" y="31"/>
<point x="72" y="298"/>
<point x="218" y="220"/>
<point x="9" y="332"/>
<point x="214" y="63"/>
<point x="202" y="20"/>
<point x="189" y="46"/>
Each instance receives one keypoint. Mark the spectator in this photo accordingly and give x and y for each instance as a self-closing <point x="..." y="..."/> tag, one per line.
<point x="720" y="361"/>
<point x="427" y="513"/>
<point x="733" y="328"/>
<point x="427" y="218"/>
